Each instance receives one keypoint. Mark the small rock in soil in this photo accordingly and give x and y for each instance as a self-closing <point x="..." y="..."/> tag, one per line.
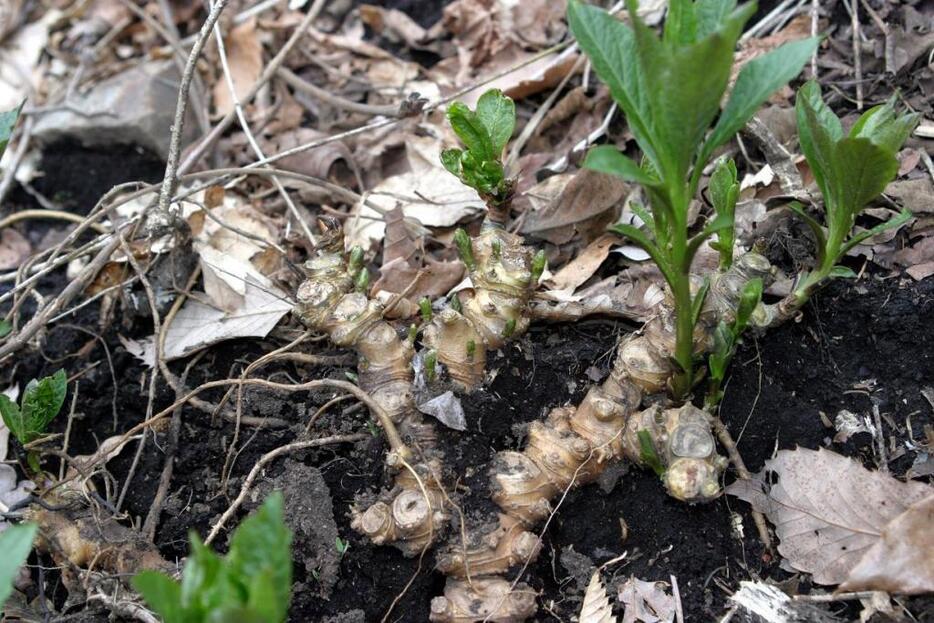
<point x="578" y="566"/>
<point x="135" y="107"/>
<point x="310" y="516"/>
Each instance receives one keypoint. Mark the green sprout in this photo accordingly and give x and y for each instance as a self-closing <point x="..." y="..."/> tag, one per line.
<point x="5" y="327"/>
<point x="431" y="365"/>
<point x="465" y="249"/>
<point x="724" y="191"/>
<point x="538" y="266"/>
<point x="726" y="338"/>
<point x="424" y="305"/>
<point x="484" y="132"/>
<point x="362" y="281"/>
<point x="41" y="402"/>
<point x="670" y="89"/>
<point x="648" y="454"/>
<point x="251" y="584"/>
<point x="341" y="546"/>
<point x="851" y="169"/>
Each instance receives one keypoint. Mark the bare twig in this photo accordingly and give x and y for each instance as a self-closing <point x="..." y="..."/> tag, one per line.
<point x="857" y="53"/>
<point x="264" y="460"/>
<point x="162" y="218"/>
<point x="299" y="84"/>
<point x="268" y="72"/>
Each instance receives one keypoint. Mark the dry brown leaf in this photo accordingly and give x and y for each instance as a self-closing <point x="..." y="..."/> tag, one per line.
<point x="596" y="608"/>
<point x="14" y="248"/>
<point x="828" y="510"/>
<point x="916" y="195"/>
<point x="401" y="241"/>
<point x="245" y="58"/>
<point x="902" y="561"/>
<point x="437" y="278"/>
<point x="198" y="325"/>
<point x="394" y="25"/>
<point x="582" y="267"/>
<point x="647" y="602"/>
<point x="584" y="202"/>
<point x="315" y="162"/>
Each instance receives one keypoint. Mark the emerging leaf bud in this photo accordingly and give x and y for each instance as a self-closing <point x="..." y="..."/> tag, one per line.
<point x="355" y="261"/>
<point x="465" y="249"/>
<point x="362" y="281"/>
<point x="425" y="306"/>
<point x="538" y="266"/>
<point x="509" y="328"/>
<point x="431" y="364"/>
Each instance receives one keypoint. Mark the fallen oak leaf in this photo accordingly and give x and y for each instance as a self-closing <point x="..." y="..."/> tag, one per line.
<point x="828" y="510"/>
<point x="582" y="267"/>
<point x="245" y="59"/>
<point x="902" y="561"/>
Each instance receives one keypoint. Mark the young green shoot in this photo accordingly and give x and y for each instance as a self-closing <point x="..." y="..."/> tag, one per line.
<point x="251" y="584"/>
<point x="670" y="90"/>
<point x="851" y="169"/>
<point x="726" y="338"/>
<point x="42" y="400"/>
<point x="484" y="133"/>
<point x="724" y="191"/>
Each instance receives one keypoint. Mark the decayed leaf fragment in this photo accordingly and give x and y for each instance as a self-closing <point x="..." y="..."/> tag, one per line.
<point x="902" y="561"/>
<point x="596" y="608"/>
<point x="828" y="510"/>
<point x="647" y="602"/>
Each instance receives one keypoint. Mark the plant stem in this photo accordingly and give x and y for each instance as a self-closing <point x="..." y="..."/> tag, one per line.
<point x="684" y="337"/>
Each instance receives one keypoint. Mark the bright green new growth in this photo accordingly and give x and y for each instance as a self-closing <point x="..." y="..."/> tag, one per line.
<point x="15" y="543"/>
<point x="724" y="191"/>
<point x="851" y="170"/>
<point x="42" y="400"/>
<point x="726" y="338"/>
<point x="484" y="132"/>
<point x="251" y="584"/>
<point x="670" y="89"/>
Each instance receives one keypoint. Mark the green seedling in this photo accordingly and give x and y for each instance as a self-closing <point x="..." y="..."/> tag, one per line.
<point x="724" y="191"/>
<point x="726" y="338"/>
<point x="15" y="543"/>
<point x="341" y="546"/>
<point x="424" y="306"/>
<point x="484" y="133"/>
<point x="671" y="89"/>
<point x="851" y="169"/>
<point x="648" y="454"/>
<point x="42" y="400"/>
<point x="251" y="584"/>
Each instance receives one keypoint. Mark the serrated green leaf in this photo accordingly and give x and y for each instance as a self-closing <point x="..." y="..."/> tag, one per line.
<point x="883" y="127"/>
<point x="818" y="130"/>
<point x="451" y="160"/>
<point x="710" y="14"/>
<point x="608" y="159"/>
<point x="610" y="46"/>
<point x="471" y="131"/>
<point x="757" y="80"/>
<point x="162" y="594"/>
<point x="42" y="400"/>
<point x="686" y="84"/>
<point x="261" y="546"/>
<point x="680" y="23"/>
<point x="498" y="114"/>
<point x="7" y="123"/>
<point x="862" y="171"/>
<point x="15" y="543"/>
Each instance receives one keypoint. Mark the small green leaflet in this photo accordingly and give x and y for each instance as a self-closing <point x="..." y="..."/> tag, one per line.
<point x="7" y="123"/>
<point x="42" y="400"/>
<point x="251" y="584"/>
